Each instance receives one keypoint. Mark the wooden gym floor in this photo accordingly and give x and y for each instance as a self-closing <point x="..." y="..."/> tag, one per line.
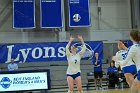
<point x="127" y="90"/>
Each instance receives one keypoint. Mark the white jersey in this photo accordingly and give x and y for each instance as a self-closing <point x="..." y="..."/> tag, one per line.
<point x="121" y="55"/>
<point x="74" y="61"/>
<point x="133" y="53"/>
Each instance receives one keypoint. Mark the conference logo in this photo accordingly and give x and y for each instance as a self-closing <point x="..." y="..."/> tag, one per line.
<point x="88" y="54"/>
<point x="5" y="82"/>
<point x="76" y="17"/>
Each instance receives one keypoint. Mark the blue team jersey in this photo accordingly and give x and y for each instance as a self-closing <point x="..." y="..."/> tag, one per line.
<point x="111" y="70"/>
<point x="95" y="66"/>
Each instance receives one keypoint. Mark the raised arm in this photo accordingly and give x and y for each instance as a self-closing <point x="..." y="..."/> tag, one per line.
<point x="68" y="45"/>
<point x="83" y="45"/>
<point x="130" y="55"/>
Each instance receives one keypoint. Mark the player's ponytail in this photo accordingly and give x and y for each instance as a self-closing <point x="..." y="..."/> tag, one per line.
<point x="135" y="35"/>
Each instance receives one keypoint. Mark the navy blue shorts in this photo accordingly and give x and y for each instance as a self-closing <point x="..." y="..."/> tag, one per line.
<point x="130" y="69"/>
<point x="98" y="74"/>
<point x="74" y="76"/>
<point x="138" y="77"/>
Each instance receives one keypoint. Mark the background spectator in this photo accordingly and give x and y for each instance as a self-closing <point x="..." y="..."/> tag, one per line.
<point x="112" y="73"/>
<point x="12" y="66"/>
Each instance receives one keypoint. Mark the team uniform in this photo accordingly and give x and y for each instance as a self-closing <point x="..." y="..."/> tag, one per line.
<point x="98" y="70"/>
<point x="129" y="67"/>
<point x="112" y="70"/>
<point x="112" y="73"/>
<point x="73" y="69"/>
<point x="133" y="53"/>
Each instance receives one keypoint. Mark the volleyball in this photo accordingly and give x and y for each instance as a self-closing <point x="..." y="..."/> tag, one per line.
<point x="76" y="17"/>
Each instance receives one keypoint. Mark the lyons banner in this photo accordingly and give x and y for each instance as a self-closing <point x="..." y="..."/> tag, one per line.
<point x="23" y="14"/>
<point x="79" y="15"/>
<point x="45" y="52"/>
<point x="51" y="13"/>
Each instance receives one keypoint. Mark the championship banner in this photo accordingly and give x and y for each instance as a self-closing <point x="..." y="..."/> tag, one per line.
<point x="45" y="52"/>
<point x="51" y="13"/>
<point x="23" y="14"/>
<point x="79" y="15"/>
<point x="23" y="81"/>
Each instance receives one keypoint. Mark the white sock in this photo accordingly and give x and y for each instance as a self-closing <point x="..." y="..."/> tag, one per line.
<point x="70" y="91"/>
<point x="80" y="92"/>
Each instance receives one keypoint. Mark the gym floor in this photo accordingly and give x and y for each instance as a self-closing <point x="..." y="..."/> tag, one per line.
<point x="127" y="90"/>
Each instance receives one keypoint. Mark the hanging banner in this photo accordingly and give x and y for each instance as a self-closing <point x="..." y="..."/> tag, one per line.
<point x="23" y="14"/>
<point x="45" y="52"/>
<point x="79" y="15"/>
<point x="51" y="13"/>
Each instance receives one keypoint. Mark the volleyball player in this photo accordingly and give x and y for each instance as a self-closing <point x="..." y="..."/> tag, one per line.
<point x="133" y="53"/>
<point x="129" y="69"/>
<point x="73" y="70"/>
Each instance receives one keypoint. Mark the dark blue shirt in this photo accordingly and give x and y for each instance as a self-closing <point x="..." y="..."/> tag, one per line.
<point x="111" y="70"/>
<point x="96" y="67"/>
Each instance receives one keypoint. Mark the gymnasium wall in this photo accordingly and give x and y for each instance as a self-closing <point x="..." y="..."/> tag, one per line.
<point x="114" y="18"/>
<point x="110" y="24"/>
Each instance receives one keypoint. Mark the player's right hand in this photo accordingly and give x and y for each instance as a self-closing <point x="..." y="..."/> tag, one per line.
<point x="71" y="38"/>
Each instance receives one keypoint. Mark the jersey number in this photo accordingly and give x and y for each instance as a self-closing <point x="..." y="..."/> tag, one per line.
<point x="75" y="61"/>
<point x="124" y="56"/>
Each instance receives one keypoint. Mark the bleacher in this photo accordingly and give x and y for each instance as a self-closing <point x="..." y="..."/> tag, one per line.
<point x="58" y="81"/>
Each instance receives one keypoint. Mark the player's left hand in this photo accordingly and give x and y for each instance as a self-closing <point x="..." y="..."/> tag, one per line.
<point x="80" y="37"/>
